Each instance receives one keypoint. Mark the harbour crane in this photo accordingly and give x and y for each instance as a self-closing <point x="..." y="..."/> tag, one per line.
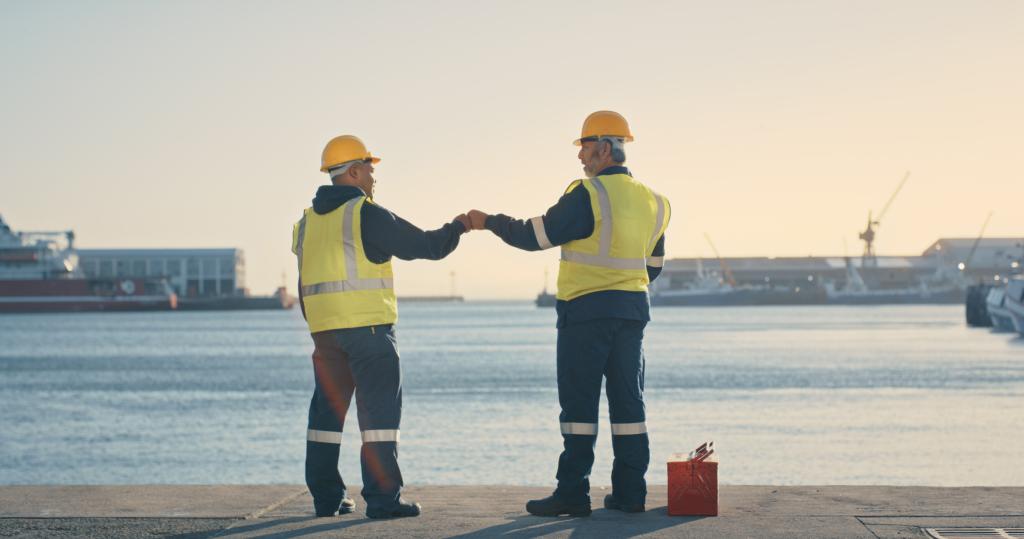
<point x="726" y="271"/>
<point x="868" y="235"/>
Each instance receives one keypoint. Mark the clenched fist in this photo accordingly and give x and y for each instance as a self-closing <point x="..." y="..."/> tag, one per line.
<point x="477" y="218"/>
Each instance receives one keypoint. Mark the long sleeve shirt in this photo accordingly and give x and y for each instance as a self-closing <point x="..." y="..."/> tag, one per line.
<point x="572" y="218"/>
<point x="386" y="235"/>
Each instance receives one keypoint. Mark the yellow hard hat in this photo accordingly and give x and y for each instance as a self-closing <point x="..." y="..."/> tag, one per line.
<point x="343" y="149"/>
<point x="604" y="123"/>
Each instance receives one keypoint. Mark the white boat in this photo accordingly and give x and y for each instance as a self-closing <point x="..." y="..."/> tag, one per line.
<point x="39" y="272"/>
<point x="1014" y="302"/>
<point x="941" y="287"/>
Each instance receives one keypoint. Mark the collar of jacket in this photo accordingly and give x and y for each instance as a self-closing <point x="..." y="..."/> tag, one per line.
<point x="615" y="169"/>
<point x="331" y="197"/>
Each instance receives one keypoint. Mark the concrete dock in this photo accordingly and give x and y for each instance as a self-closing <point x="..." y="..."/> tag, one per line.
<point x="237" y="511"/>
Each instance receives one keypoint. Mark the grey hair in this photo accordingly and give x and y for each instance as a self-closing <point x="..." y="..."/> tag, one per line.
<point x="618" y="148"/>
<point x="342" y="168"/>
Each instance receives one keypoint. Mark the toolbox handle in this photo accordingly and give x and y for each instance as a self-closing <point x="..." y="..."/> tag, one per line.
<point x="703" y="451"/>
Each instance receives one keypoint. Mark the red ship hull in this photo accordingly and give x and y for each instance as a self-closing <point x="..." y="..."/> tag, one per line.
<point x="83" y="295"/>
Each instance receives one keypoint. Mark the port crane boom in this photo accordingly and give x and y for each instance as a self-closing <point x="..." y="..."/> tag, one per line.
<point x="974" y="247"/>
<point x="726" y="271"/>
<point x="868" y="235"/>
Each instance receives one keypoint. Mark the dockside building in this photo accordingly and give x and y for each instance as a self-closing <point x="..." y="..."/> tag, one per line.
<point x="193" y="273"/>
<point x="991" y="261"/>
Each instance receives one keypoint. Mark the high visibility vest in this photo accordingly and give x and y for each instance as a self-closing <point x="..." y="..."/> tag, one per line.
<point x="628" y="220"/>
<point x="341" y="288"/>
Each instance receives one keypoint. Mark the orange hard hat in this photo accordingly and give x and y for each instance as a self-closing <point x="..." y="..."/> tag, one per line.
<point x="341" y="150"/>
<point x="604" y="123"/>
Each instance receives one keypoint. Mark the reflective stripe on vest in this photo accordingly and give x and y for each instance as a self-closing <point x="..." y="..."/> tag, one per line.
<point x="603" y="258"/>
<point x="298" y="242"/>
<point x="659" y="222"/>
<point x="351" y="263"/>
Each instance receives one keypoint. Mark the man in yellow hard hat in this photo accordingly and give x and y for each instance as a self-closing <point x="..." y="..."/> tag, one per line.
<point x="344" y="244"/>
<point x="611" y="229"/>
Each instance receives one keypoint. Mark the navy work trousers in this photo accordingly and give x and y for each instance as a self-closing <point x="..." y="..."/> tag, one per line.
<point x="609" y="349"/>
<point x="363" y="361"/>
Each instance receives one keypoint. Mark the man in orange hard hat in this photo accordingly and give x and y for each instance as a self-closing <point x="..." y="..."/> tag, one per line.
<point x="344" y="244"/>
<point x="611" y="229"/>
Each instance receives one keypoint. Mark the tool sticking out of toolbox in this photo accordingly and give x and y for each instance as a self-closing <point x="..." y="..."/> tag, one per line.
<point x="693" y="482"/>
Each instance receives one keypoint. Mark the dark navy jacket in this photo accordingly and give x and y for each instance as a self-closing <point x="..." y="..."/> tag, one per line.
<point x="387" y="235"/>
<point x="572" y="218"/>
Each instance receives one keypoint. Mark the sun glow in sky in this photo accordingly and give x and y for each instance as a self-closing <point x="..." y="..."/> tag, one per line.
<point x="772" y="126"/>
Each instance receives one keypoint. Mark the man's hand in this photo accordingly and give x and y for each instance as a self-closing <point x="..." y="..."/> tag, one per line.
<point x="477" y="218"/>
<point x="464" y="219"/>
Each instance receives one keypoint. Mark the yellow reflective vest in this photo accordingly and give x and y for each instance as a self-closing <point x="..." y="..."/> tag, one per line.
<point x="341" y="288"/>
<point x="629" y="218"/>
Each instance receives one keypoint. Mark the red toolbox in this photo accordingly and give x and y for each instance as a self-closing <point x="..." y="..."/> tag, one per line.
<point x="693" y="482"/>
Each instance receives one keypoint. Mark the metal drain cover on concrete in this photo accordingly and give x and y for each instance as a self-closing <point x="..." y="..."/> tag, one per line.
<point x="972" y="533"/>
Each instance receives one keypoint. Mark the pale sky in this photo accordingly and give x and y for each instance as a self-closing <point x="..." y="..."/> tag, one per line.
<point x="772" y="126"/>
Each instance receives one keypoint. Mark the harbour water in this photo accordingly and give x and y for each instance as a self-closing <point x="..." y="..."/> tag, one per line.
<point x="901" y="395"/>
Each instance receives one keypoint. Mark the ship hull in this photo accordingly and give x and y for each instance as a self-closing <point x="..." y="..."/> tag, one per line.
<point x="739" y="298"/>
<point x="82" y="295"/>
<point x="80" y="304"/>
<point x="1014" y="303"/>
<point x="244" y="303"/>
<point x="952" y="297"/>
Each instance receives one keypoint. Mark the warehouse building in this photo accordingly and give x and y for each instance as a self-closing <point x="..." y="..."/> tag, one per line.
<point x="193" y="273"/>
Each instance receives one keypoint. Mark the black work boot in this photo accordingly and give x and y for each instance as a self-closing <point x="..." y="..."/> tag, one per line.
<point x="611" y="503"/>
<point x="403" y="509"/>
<point x="347" y="506"/>
<point x="553" y="506"/>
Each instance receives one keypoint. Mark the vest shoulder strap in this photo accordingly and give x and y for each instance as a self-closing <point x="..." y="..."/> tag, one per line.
<point x="573" y="185"/>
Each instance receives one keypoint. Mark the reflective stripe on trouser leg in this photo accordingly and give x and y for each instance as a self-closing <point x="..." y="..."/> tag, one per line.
<point x="327" y="410"/>
<point x="585" y="429"/>
<point x="373" y="357"/>
<point x="582" y="351"/>
<point x="629" y="429"/>
<point x="625" y="386"/>
<point x="323" y="436"/>
<point x="380" y="435"/>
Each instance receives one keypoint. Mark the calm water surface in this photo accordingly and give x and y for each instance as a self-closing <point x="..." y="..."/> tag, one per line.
<point x="791" y="395"/>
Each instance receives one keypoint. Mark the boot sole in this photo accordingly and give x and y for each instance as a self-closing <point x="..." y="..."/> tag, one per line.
<point x="571" y="513"/>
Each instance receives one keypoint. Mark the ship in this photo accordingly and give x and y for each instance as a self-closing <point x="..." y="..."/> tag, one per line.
<point x="941" y="287"/>
<point x="940" y="275"/>
<point x="707" y="289"/>
<point x="1014" y="302"/>
<point x="39" y="272"/>
<point x="545" y="298"/>
<point x="280" y="299"/>
<point x="995" y="303"/>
